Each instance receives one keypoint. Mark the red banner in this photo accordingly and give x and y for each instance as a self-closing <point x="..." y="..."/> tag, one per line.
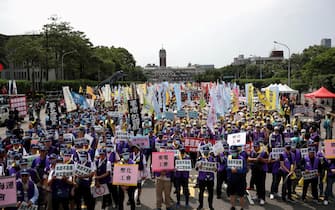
<point x="191" y="144"/>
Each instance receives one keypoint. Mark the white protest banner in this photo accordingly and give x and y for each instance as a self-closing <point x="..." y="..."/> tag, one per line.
<point x="68" y="136"/>
<point x="135" y="119"/>
<point x="25" y="206"/>
<point x="89" y="138"/>
<point x="183" y="165"/>
<point x="30" y="158"/>
<point x="81" y="170"/>
<point x="115" y="114"/>
<point x="275" y="153"/>
<point x="69" y="102"/>
<point x="304" y="152"/>
<point x="235" y="163"/>
<point x="64" y="170"/>
<point x="310" y="174"/>
<point x="237" y="139"/>
<point x="107" y="93"/>
<point x="99" y="191"/>
<point x="218" y="148"/>
<point x="121" y="136"/>
<point x="142" y="141"/>
<point x="175" y="151"/>
<point x="207" y="166"/>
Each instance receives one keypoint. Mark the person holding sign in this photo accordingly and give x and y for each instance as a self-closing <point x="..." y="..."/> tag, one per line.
<point x="273" y="166"/>
<point x="330" y="180"/>
<point x="221" y="175"/>
<point x="102" y="174"/>
<point x="60" y="188"/>
<point x="311" y="162"/>
<point x="259" y="168"/>
<point x="236" y="176"/>
<point x="130" y="189"/>
<point x="84" y="181"/>
<point x="26" y="189"/>
<point x="113" y="157"/>
<point x="287" y="167"/>
<point x="181" y="179"/>
<point x="205" y="178"/>
<point x="138" y="158"/>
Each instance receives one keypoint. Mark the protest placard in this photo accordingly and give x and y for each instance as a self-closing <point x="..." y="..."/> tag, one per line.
<point x="142" y="141"/>
<point x="175" y="151"/>
<point x="183" y="165"/>
<point x="330" y="148"/>
<point x="64" y="170"/>
<point x="310" y="174"/>
<point x="115" y="114"/>
<point x="82" y="170"/>
<point x="237" y="139"/>
<point x="99" y="191"/>
<point x="30" y="159"/>
<point x="125" y="174"/>
<point x="25" y="206"/>
<point x="135" y="114"/>
<point x="169" y="115"/>
<point x="193" y="115"/>
<point x="235" y="163"/>
<point x="8" y="191"/>
<point x="207" y="166"/>
<point x="275" y="153"/>
<point x="89" y="138"/>
<point x="304" y="152"/>
<point x="191" y="144"/>
<point x="121" y="136"/>
<point x="181" y="113"/>
<point x="162" y="161"/>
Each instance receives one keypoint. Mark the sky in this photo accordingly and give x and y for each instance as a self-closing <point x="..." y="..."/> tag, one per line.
<point x="191" y="31"/>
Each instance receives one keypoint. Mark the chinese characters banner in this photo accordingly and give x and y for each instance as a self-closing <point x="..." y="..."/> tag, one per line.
<point x="162" y="161"/>
<point x="7" y="191"/>
<point x="125" y="174"/>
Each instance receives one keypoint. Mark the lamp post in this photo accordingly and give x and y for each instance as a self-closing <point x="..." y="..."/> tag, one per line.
<point x="289" y="62"/>
<point x="67" y="53"/>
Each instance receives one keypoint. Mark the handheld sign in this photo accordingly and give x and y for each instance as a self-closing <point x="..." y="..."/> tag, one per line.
<point x="330" y="149"/>
<point x="304" y="152"/>
<point x="275" y="154"/>
<point x="183" y="165"/>
<point x="169" y="115"/>
<point x="121" y="136"/>
<point x="125" y="174"/>
<point x="207" y="166"/>
<point x="8" y="191"/>
<point x="181" y="113"/>
<point x="310" y="174"/>
<point x="193" y="115"/>
<point x="235" y="163"/>
<point x="142" y="141"/>
<point x="82" y="170"/>
<point x="237" y="139"/>
<point x="64" y="170"/>
<point x="175" y="151"/>
<point x="162" y="161"/>
<point x="30" y="159"/>
<point x="99" y="191"/>
<point x="25" y="206"/>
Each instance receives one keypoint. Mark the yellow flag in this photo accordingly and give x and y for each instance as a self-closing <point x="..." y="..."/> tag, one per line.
<point x="90" y="91"/>
<point x="80" y="89"/>
<point x="251" y="97"/>
<point x="271" y="98"/>
<point x="262" y="98"/>
<point x="167" y="102"/>
<point x="236" y="104"/>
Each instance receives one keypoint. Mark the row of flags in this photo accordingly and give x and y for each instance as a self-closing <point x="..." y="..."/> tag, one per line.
<point x="222" y="97"/>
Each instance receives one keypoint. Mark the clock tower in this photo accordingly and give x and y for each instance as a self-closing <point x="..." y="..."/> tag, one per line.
<point x="162" y="58"/>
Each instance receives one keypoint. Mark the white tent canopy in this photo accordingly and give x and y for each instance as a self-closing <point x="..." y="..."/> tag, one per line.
<point x="282" y="88"/>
